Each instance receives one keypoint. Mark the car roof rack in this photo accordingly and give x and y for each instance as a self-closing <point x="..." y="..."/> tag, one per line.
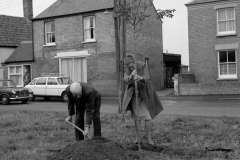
<point x="52" y="74"/>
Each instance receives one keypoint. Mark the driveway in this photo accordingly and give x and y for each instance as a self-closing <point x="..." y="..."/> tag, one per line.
<point x="214" y="108"/>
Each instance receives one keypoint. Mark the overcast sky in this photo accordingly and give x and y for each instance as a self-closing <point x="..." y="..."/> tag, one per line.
<point x="175" y="30"/>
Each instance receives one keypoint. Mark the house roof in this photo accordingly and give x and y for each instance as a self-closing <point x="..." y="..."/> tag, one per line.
<point x="13" y="30"/>
<point x="202" y="1"/>
<point x="24" y="53"/>
<point x="68" y="7"/>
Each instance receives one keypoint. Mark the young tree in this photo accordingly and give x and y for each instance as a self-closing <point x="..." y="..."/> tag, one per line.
<point x="134" y="12"/>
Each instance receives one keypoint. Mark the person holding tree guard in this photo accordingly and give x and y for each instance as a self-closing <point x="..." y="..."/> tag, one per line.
<point x="148" y="102"/>
<point x="85" y="98"/>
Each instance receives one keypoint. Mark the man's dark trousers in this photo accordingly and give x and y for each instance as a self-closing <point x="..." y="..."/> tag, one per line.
<point x="96" y="119"/>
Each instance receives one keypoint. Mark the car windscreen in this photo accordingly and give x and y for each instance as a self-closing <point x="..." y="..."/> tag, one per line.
<point x="7" y="84"/>
<point x="33" y="82"/>
<point x="64" y="81"/>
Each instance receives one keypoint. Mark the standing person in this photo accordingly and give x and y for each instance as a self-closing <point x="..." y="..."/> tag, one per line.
<point x="85" y="98"/>
<point x="149" y="104"/>
<point x="26" y="77"/>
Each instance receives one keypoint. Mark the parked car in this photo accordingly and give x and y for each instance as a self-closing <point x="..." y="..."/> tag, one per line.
<point x="9" y="92"/>
<point x="49" y="86"/>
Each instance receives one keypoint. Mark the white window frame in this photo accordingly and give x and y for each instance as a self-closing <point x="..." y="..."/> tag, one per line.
<point x="22" y="74"/>
<point x="89" y="29"/>
<point x="233" y="76"/>
<point x="226" y="32"/>
<point x="51" y="33"/>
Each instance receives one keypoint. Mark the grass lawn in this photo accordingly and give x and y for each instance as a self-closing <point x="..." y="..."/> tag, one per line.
<point x="26" y="135"/>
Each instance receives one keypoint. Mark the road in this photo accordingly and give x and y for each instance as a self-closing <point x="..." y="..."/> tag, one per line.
<point x="214" y="108"/>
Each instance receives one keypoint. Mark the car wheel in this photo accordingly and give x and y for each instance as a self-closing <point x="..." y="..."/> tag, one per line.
<point x="5" y="99"/>
<point x="47" y="98"/>
<point x="32" y="97"/>
<point x="64" y="97"/>
<point x="24" y="101"/>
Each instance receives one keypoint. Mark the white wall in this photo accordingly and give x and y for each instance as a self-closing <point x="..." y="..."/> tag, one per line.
<point x="5" y="53"/>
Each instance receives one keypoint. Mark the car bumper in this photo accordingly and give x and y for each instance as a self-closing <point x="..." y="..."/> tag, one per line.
<point x="19" y="98"/>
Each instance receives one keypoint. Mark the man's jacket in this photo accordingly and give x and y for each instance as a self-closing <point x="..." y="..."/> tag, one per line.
<point x="86" y="101"/>
<point x="146" y="90"/>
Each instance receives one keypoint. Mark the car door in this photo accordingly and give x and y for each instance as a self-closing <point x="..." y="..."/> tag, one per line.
<point x="40" y="87"/>
<point x="32" y="85"/>
<point x="63" y="83"/>
<point x="52" y="87"/>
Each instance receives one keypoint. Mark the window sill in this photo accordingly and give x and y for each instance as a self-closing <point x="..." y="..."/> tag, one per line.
<point x="49" y="45"/>
<point x="226" y="34"/>
<point x="228" y="79"/>
<point x="90" y="41"/>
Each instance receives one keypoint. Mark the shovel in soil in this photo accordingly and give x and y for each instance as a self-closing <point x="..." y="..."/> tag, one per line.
<point x="77" y="128"/>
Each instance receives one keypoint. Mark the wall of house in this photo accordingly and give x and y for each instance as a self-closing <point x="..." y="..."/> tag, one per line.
<point x="5" y="52"/>
<point x="101" y="66"/>
<point x="202" y="23"/>
<point x="149" y="42"/>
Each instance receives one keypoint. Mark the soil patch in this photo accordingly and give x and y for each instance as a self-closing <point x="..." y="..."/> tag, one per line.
<point x="94" y="149"/>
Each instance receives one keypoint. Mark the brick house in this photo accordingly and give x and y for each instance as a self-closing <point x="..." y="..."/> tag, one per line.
<point x="77" y="38"/>
<point x="213" y="47"/>
<point x="16" y="44"/>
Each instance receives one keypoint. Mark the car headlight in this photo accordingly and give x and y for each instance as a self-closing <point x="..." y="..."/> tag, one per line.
<point x="14" y="92"/>
<point x="29" y="90"/>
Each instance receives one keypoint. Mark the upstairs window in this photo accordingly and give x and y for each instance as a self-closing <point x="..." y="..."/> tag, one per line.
<point x="50" y="32"/>
<point x="227" y="64"/>
<point x="89" y="29"/>
<point x="226" y="21"/>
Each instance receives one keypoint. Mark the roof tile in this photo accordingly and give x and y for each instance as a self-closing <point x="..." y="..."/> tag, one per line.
<point x="66" y="7"/>
<point x="202" y="1"/>
<point x="13" y="30"/>
<point x="23" y="53"/>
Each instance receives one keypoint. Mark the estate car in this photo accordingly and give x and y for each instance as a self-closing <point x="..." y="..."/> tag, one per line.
<point x="49" y="85"/>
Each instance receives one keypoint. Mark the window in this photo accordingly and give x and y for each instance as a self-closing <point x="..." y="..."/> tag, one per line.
<point x="64" y="81"/>
<point x="74" y="68"/>
<point x="50" y="32"/>
<point x="20" y="75"/>
<point x="41" y="81"/>
<point x="226" y="21"/>
<point x="227" y="64"/>
<point x="7" y="84"/>
<point x="52" y="81"/>
<point x="33" y="82"/>
<point x="89" y="29"/>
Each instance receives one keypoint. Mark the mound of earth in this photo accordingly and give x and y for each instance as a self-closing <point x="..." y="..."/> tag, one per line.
<point x="94" y="149"/>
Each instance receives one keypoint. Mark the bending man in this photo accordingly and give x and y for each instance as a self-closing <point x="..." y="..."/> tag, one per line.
<point x="88" y="99"/>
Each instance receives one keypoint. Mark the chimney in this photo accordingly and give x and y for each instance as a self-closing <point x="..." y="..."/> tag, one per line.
<point x="28" y="9"/>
